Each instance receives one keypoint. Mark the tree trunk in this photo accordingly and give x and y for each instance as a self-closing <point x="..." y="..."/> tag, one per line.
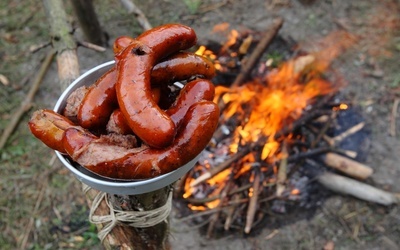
<point x="87" y="18"/>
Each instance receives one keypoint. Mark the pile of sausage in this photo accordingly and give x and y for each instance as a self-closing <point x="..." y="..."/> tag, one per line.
<point x="128" y="124"/>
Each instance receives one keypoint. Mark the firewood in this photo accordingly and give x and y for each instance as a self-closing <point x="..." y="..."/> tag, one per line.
<point x="363" y="191"/>
<point x="258" y="51"/>
<point x="347" y="166"/>
<point x="220" y="167"/>
<point x="282" y="172"/>
<point x="253" y="203"/>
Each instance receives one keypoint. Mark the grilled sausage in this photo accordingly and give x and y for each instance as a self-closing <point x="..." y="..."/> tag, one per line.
<point x="49" y="126"/>
<point x="191" y="93"/>
<point x="197" y="129"/>
<point x="151" y="124"/>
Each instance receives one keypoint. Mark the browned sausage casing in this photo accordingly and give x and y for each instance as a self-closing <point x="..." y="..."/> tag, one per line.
<point x="151" y="124"/>
<point x="193" y="92"/>
<point x="168" y="39"/>
<point x="182" y="66"/>
<point x="198" y="126"/>
<point x="49" y="126"/>
<point x="121" y="43"/>
<point x="99" y="102"/>
<point x="101" y="97"/>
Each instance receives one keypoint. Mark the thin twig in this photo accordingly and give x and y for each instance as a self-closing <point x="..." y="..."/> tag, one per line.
<point x="141" y="18"/>
<point x="27" y="103"/>
<point x="349" y="132"/>
<point x="215" y="216"/>
<point x="230" y="214"/>
<point x="258" y="51"/>
<point x="220" y="167"/>
<point x="323" y="130"/>
<point x="91" y="46"/>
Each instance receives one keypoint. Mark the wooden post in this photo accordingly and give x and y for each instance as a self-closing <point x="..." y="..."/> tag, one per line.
<point x="121" y="237"/>
<point x="63" y="42"/>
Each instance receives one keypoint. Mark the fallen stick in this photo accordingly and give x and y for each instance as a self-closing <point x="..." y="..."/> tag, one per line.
<point x="347" y="166"/>
<point x="258" y="51"/>
<point x="27" y="103"/>
<point x="348" y="186"/>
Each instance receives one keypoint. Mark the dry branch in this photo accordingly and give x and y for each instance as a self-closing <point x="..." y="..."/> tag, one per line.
<point x="258" y="51"/>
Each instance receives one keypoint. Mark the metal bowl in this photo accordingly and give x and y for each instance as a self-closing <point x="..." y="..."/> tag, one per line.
<point x="108" y="185"/>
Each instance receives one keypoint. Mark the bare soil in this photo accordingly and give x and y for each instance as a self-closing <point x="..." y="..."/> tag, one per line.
<point x="42" y="206"/>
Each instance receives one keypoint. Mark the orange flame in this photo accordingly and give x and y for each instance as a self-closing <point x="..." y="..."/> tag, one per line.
<point x="263" y="106"/>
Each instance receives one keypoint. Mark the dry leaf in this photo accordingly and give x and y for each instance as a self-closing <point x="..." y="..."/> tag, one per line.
<point x="4" y="80"/>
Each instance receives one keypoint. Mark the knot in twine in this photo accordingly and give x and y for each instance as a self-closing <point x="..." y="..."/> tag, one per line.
<point x="138" y="219"/>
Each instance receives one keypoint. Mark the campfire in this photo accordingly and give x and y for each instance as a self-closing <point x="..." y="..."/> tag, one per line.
<point x="276" y="120"/>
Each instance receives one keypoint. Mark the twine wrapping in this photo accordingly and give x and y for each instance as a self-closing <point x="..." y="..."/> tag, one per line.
<point x="137" y="219"/>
